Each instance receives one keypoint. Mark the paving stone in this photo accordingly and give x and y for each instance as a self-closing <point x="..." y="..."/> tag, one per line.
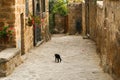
<point x="80" y="61"/>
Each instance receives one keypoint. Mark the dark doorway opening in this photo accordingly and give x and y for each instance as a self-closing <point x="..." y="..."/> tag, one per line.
<point x="22" y="33"/>
<point x="36" y="29"/>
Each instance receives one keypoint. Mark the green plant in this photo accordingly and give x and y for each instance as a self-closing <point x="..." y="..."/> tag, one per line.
<point x="58" y="7"/>
<point x="37" y="19"/>
<point x="30" y="22"/>
<point x="33" y="19"/>
<point x="6" y="33"/>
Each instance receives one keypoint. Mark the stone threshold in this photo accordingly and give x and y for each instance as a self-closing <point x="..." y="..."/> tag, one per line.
<point x="39" y="43"/>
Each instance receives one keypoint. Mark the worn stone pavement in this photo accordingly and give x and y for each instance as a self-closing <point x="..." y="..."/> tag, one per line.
<point x="80" y="61"/>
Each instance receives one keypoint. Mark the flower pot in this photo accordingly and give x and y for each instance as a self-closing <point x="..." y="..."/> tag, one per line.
<point x="30" y="23"/>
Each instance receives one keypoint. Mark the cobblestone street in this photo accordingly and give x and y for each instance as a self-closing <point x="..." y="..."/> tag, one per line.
<point x="79" y="61"/>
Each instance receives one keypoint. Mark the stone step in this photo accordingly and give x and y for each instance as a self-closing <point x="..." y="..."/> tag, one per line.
<point x="10" y="58"/>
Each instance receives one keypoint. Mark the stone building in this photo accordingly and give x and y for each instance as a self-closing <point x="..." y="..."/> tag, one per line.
<point x="16" y="13"/>
<point x="103" y="28"/>
<point x="88" y="17"/>
<point x="27" y="20"/>
<point x="74" y="18"/>
<point x="112" y="25"/>
<point x="68" y="23"/>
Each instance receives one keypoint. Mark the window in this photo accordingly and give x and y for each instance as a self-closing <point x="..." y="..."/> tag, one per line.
<point x="37" y="7"/>
<point x="26" y="7"/>
<point x="43" y="5"/>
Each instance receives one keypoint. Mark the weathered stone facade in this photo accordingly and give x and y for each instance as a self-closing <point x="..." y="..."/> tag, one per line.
<point x="112" y="22"/>
<point x="45" y="26"/>
<point x="92" y="19"/>
<point x="23" y="40"/>
<point x="100" y="30"/>
<point x="13" y="13"/>
<point x="74" y="15"/>
<point x="10" y="61"/>
<point x="106" y="34"/>
<point x="7" y="15"/>
<point x="83" y="19"/>
<point x="67" y="24"/>
<point x="7" y="12"/>
<point x="60" y="22"/>
<point x="16" y="13"/>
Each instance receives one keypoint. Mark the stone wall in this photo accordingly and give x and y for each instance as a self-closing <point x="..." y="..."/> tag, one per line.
<point x="45" y="25"/>
<point x="100" y="33"/>
<point x="83" y="19"/>
<point x="7" y="12"/>
<point x="9" y="62"/>
<point x="92" y="19"/>
<point x="7" y="16"/>
<point x="74" y="15"/>
<point x="108" y="40"/>
<point x="112" y="25"/>
<point x="106" y="33"/>
<point x="22" y="30"/>
<point x="59" y="23"/>
<point x="67" y="24"/>
<point x="12" y="13"/>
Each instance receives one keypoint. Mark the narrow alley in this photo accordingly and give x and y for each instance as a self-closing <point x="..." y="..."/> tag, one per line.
<point x="79" y="61"/>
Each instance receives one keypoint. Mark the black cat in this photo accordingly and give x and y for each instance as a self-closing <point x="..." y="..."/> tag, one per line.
<point x="57" y="58"/>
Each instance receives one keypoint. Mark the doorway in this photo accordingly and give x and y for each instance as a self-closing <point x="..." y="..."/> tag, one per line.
<point x="37" y="29"/>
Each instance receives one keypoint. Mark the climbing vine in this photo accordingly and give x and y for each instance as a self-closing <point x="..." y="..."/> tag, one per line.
<point x="58" y="7"/>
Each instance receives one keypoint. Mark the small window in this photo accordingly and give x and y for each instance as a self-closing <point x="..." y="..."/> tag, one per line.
<point x="37" y="7"/>
<point x="26" y="7"/>
<point x="43" y="5"/>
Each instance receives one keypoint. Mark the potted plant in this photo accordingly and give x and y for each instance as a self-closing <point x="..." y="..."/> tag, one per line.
<point x="37" y="19"/>
<point x="30" y="22"/>
<point x="6" y="34"/>
<point x="33" y="20"/>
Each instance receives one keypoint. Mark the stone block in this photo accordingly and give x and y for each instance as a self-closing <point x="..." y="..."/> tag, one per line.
<point x="4" y="15"/>
<point x="9" y="59"/>
<point x="7" y="9"/>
